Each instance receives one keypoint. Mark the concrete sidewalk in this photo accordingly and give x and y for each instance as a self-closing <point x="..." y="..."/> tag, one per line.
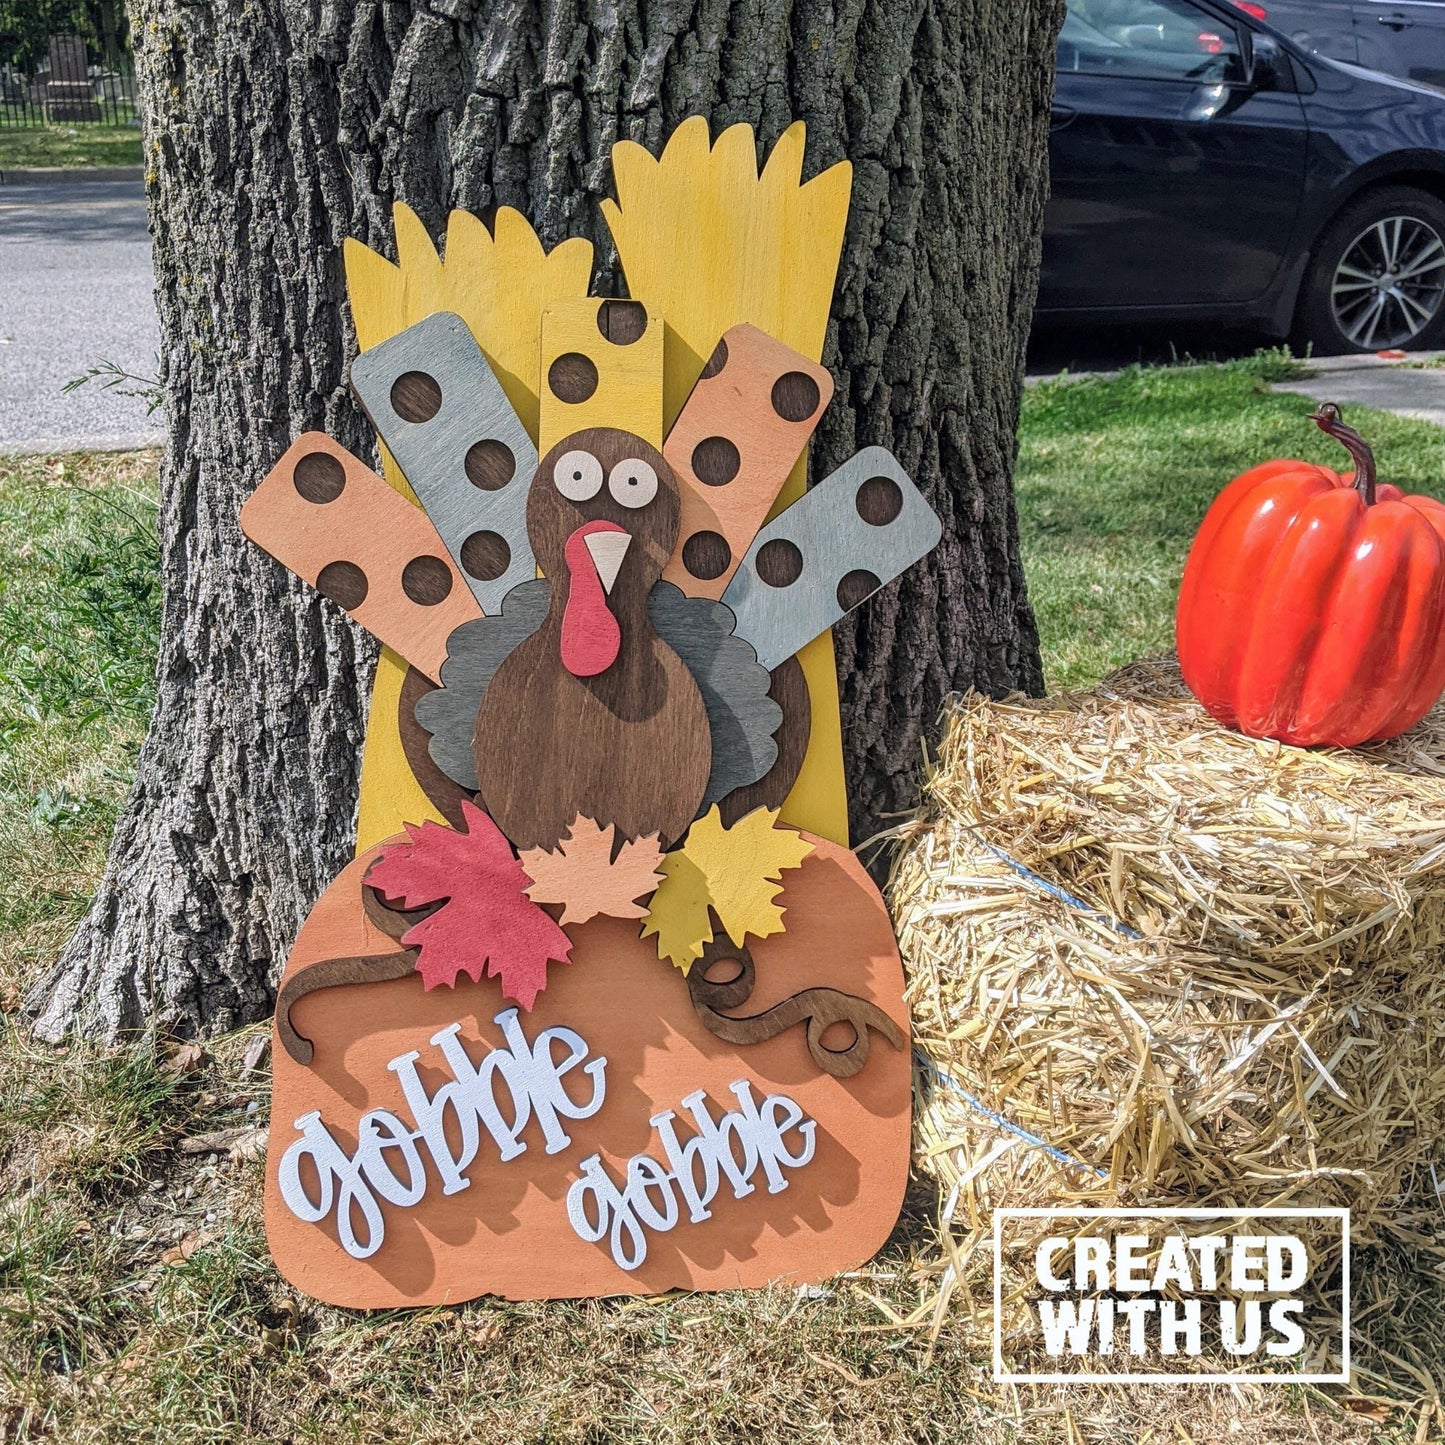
<point x="1388" y="384"/>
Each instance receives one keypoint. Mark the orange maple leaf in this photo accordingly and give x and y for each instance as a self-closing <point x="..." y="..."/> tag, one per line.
<point x="584" y="877"/>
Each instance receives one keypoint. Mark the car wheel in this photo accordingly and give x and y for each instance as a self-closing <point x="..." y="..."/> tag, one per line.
<point x="1376" y="280"/>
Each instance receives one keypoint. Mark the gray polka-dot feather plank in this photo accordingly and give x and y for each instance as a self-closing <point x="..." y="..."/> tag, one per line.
<point x="831" y="550"/>
<point x="442" y="412"/>
<point x="741" y="717"/>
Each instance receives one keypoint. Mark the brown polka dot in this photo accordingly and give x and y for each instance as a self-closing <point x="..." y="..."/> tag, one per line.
<point x="415" y="396"/>
<point x="319" y="477"/>
<point x="715" y="461"/>
<point x="490" y="464"/>
<point x="779" y="563"/>
<point x="485" y="556"/>
<point x="879" y="501"/>
<point x="572" y="378"/>
<point x="706" y="555"/>
<point x="716" y="361"/>
<point x="855" y="587"/>
<point x="795" y="396"/>
<point x="426" y="580"/>
<point x="622" y="322"/>
<point x="344" y="583"/>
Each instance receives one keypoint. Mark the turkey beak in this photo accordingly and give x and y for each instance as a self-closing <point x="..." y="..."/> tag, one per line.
<point x="607" y="550"/>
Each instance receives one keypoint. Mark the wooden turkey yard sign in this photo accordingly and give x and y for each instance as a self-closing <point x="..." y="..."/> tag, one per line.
<point x="604" y="1004"/>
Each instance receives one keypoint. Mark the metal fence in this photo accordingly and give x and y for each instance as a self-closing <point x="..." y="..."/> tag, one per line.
<point x="69" y="88"/>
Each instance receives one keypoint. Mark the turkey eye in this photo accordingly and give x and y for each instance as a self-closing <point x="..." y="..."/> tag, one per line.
<point x="578" y="476"/>
<point x="633" y="483"/>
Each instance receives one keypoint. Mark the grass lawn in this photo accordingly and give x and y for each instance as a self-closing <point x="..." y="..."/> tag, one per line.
<point x="69" y="145"/>
<point x="136" y="1297"/>
<point x="1114" y="477"/>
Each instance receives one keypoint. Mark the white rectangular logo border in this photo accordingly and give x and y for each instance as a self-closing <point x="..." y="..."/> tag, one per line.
<point x="1004" y="1377"/>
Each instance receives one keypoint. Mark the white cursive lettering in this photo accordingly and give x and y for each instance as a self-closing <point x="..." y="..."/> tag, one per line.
<point x="732" y="1148"/>
<point x="511" y="1087"/>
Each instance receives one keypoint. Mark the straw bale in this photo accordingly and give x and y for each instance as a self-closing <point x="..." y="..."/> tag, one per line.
<point x="1152" y="961"/>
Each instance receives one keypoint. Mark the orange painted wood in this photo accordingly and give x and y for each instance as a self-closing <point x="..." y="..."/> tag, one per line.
<point x="507" y="1233"/>
<point x="330" y="519"/>
<point x="743" y="428"/>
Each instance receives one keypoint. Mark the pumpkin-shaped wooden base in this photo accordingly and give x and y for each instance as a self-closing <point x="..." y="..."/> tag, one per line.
<point x="506" y="1230"/>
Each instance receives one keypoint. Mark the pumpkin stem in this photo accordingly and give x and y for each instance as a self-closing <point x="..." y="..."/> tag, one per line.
<point x="1329" y="421"/>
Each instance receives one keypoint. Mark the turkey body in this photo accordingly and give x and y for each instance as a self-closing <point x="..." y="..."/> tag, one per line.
<point x="628" y="747"/>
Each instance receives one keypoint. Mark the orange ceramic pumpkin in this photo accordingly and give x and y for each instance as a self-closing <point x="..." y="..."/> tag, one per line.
<point x="1312" y="608"/>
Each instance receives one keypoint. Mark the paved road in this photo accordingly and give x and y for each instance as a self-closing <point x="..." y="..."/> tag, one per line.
<point x="75" y="290"/>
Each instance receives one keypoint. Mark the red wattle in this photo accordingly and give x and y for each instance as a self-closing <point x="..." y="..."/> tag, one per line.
<point x="591" y="637"/>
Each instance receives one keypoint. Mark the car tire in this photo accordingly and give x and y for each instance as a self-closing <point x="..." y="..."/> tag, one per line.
<point x="1346" y="304"/>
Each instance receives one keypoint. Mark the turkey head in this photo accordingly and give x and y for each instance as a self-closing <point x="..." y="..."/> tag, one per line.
<point x="594" y="714"/>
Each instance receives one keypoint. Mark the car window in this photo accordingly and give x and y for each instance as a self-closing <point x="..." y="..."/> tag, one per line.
<point x="1149" y="40"/>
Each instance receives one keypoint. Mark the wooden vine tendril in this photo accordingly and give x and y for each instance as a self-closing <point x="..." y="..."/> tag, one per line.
<point x="819" y="1007"/>
<point x="338" y="972"/>
<point x="333" y="973"/>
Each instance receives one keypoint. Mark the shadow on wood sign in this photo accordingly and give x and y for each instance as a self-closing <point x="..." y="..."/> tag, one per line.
<point x="605" y="1004"/>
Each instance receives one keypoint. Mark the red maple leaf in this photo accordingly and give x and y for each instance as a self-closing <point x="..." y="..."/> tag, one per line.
<point x="487" y="919"/>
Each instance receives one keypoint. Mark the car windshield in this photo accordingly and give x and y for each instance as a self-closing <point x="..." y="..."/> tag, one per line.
<point x="1149" y="40"/>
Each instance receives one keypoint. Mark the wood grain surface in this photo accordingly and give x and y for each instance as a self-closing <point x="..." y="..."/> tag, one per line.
<point x="591" y="872"/>
<point x="336" y="524"/>
<point x="507" y="1233"/>
<point x="444" y="793"/>
<point x="474" y="653"/>
<point x="464" y="451"/>
<point x="590" y="380"/>
<point x="763" y="248"/>
<point x="816" y="1010"/>
<point x="742" y="716"/>
<point x="629" y="746"/>
<point x="498" y="278"/>
<point x="389" y="794"/>
<point x="733" y="445"/>
<point x="858" y="529"/>
<point x="789" y="689"/>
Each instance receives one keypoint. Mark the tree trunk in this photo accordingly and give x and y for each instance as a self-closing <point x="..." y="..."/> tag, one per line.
<point x="275" y="129"/>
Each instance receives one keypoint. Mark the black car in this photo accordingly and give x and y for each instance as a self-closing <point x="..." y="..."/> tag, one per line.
<point x="1400" y="37"/>
<point x="1205" y="167"/>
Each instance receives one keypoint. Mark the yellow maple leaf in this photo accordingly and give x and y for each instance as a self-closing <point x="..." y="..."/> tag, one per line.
<point x="584" y="877"/>
<point x="679" y="915"/>
<point x="736" y="872"/>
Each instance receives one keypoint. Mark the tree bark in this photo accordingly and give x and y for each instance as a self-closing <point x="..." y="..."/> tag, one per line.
<point x="277" y="128"/>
